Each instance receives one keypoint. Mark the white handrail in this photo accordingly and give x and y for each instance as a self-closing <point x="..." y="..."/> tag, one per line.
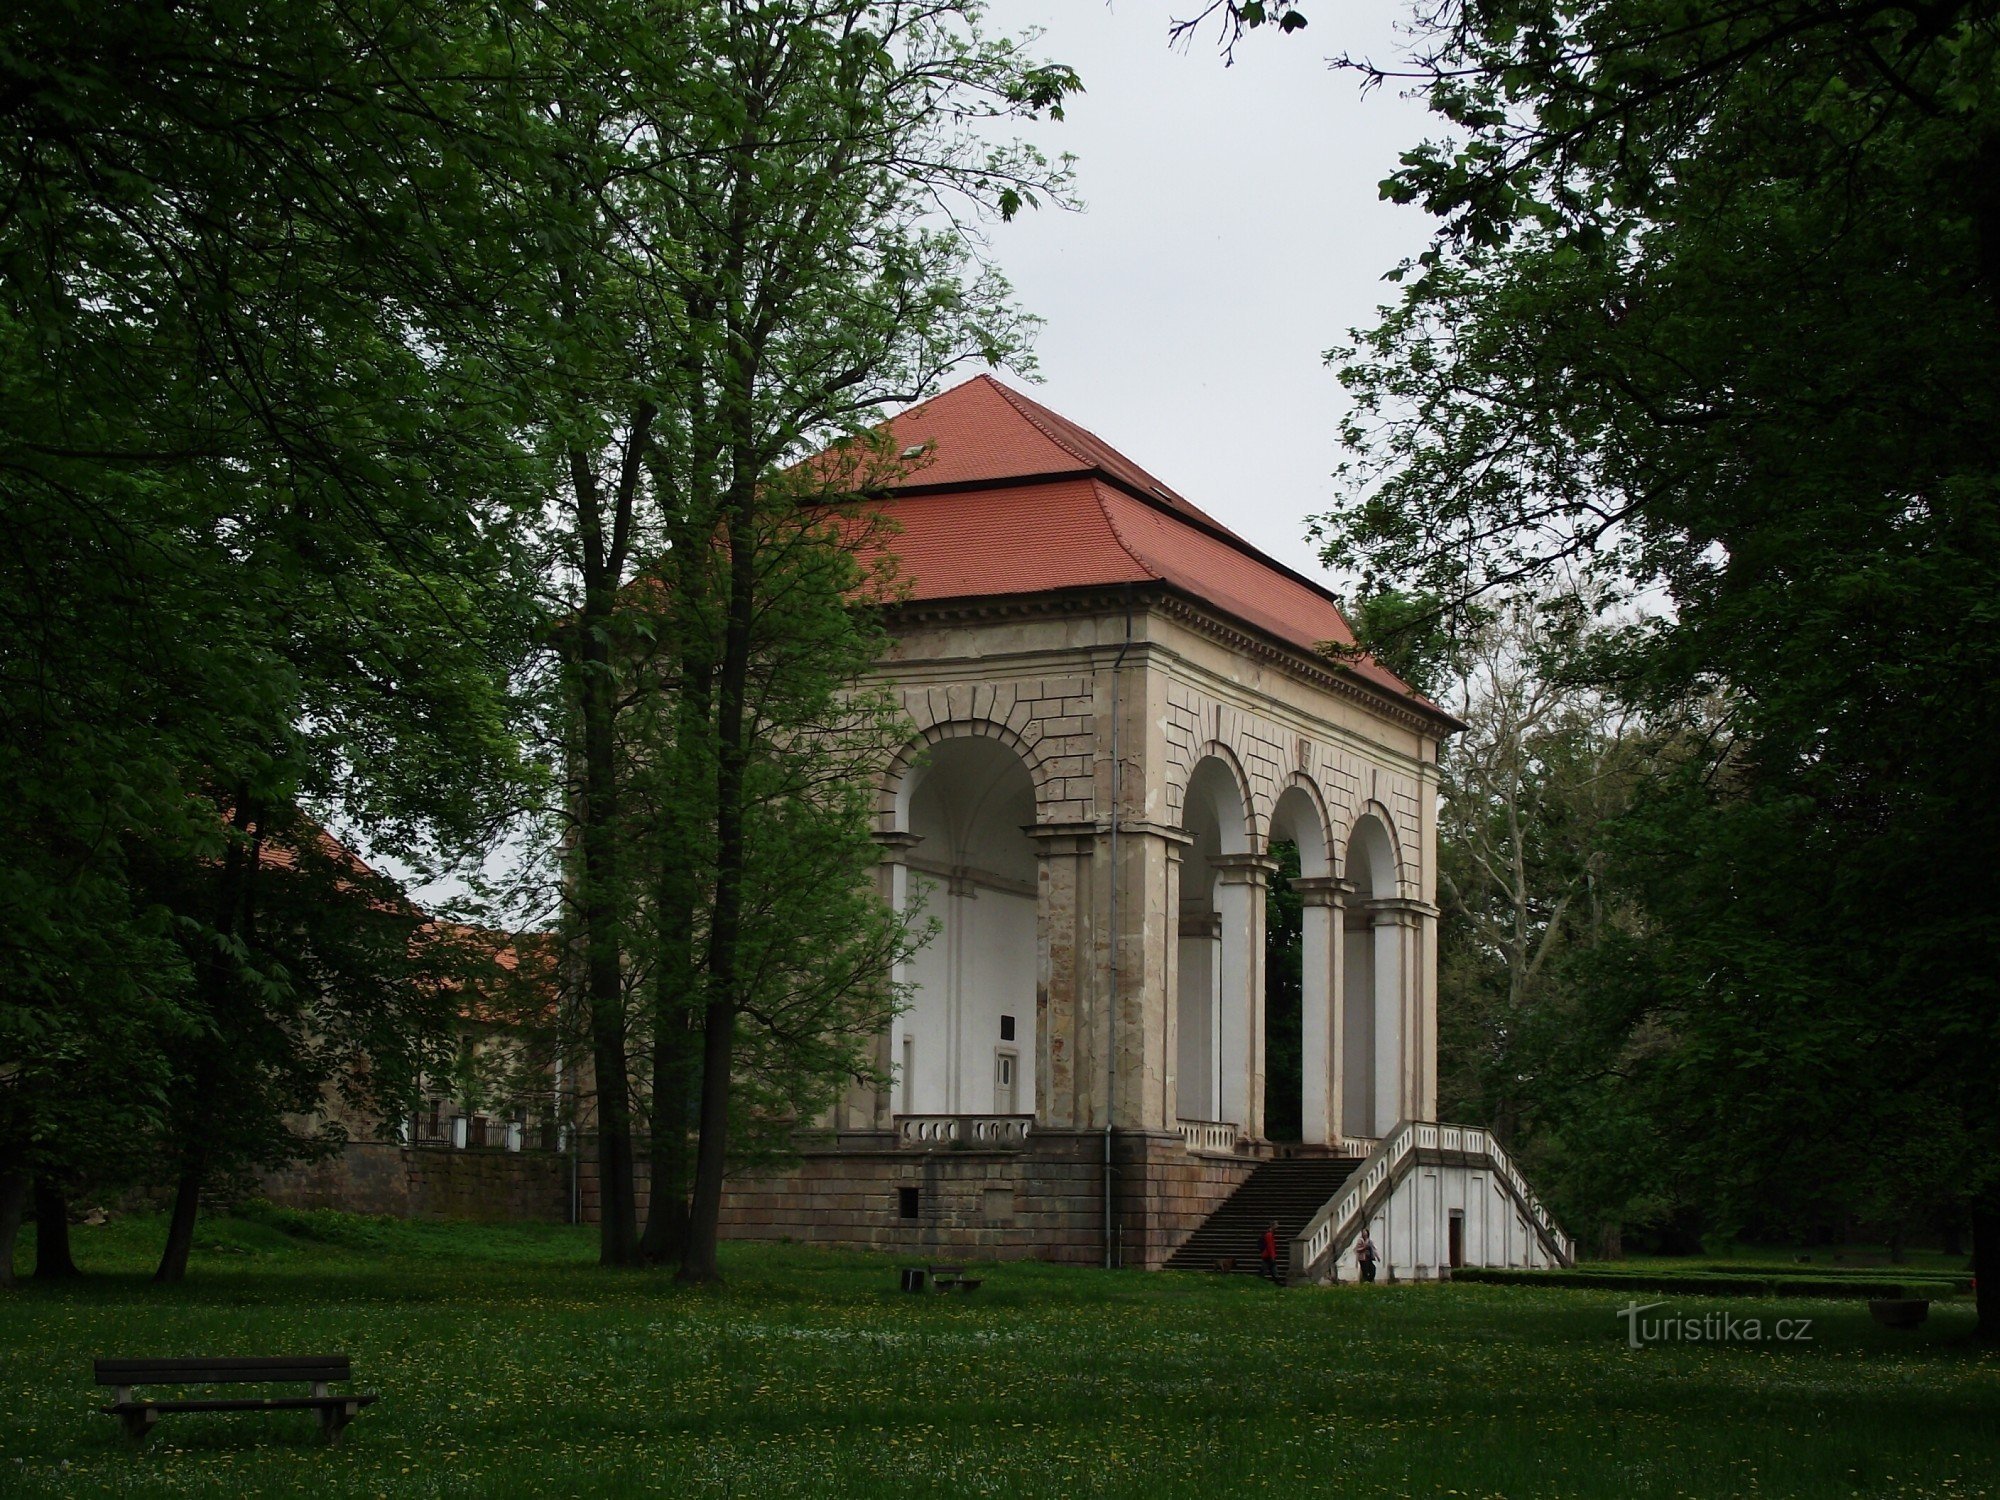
<point x="1340" y="1220"/>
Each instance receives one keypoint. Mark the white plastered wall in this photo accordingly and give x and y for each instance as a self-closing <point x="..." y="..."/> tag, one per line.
<point x="1411" y="1228"/>
<point x="972" y="870"/>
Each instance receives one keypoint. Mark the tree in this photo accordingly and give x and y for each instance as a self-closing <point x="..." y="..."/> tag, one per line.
<point x="1712" y="314"/>
<point x="329" y="986"/>
<point x="766" y="225"/>
<point x="257" y="493"/>
<point x="1542" y="766"/>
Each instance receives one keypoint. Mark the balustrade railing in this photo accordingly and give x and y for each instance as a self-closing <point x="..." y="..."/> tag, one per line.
<point x="963" y="1130"/>
<point x="477" y="1132"/>
<point x="1208" y="1135"/>
<point x="1335" y="1225"/>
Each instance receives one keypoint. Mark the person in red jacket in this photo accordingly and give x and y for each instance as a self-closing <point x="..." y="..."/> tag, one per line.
<point x="1267" y="1250"/>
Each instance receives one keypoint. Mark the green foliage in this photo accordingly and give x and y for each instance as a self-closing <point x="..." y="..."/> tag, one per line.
<point x="1711" y="324"/>
<point x="763" y="267"/>
<point x="1409" y="634"/>
<point x="259" y="498"/>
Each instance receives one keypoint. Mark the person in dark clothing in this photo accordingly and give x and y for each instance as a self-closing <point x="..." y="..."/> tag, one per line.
<point x="1267" y="1250"/>
<point x="1365" y="1256"/>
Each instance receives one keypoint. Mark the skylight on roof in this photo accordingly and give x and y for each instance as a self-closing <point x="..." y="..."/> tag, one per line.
<point x="915" y="450"/>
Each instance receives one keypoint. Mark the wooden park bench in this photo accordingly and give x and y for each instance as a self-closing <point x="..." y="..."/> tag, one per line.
<point x="335" y="1412"/>
<point x="943" y="1278"/>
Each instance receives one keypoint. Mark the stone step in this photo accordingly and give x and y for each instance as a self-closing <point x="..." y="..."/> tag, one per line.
<point x="1289" y="1191"/>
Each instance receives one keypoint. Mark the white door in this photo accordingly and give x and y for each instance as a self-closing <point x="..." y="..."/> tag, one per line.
<point x="1003" y="1083"/>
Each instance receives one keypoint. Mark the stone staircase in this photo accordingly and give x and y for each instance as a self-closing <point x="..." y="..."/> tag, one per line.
<point x="1291" y="1191"/>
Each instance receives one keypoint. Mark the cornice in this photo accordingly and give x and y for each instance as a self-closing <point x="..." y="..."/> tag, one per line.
<point x="1322" y="673"/>
<point x="1318" y="670"/>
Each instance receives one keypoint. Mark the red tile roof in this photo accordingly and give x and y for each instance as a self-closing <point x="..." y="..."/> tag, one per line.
<point x="1008" y="498"/>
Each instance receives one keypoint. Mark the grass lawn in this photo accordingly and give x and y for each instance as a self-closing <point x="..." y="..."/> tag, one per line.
<point x="509" y="1364"/>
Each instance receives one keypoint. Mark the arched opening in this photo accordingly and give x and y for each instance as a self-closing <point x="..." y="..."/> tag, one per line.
<point x="1297" y="1061"/>
<point x="1373" y="1041"/>
<point x="1284" y="999"/>
<point x="966" y="1045"/>
<point x="1212" y="1019"/>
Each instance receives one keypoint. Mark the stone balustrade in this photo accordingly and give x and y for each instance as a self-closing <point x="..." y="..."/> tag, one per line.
<point x="1337" y="1224"/>
<point x="1208" y="1135"/>
<point x="989" y="1132"/>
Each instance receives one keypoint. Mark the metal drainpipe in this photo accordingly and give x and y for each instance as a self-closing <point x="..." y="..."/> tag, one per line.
<point x="1111" y="1028"/>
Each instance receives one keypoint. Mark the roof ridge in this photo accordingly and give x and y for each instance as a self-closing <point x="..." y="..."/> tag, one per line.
<point x="1150" y="568"/>
<point x="1021" y="403"/>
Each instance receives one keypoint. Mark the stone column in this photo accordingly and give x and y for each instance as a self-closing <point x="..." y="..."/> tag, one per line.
<point x="1322" y="1006"/>
<point x="1146" y="974"/>
<point x="1427" y="1004"/>
<point x="875" y="1108"/>
<point x="1405" y="1033"/>
<point x="1170" y="964"/>
<point x="1415" y="927"/>
<point x="1242" y="882"/>
<point x="1063" y="933"/>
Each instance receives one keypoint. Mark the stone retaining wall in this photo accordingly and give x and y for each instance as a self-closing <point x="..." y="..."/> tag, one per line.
<point x="430" y="1182"/>
<point x="1042" y="1202"/>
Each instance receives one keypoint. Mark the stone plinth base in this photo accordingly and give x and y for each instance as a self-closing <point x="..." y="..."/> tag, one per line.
<point x="1044" y="1201"/>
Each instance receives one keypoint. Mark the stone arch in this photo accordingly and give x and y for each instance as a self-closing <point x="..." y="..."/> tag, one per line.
<point x="892" y="801"/>
<point x="1244" y="837"/>
<point x="962" y="814"/>
<point x="1298" y="994"/>
<point x="1377" y="961"/>
<point x="1371" y="856"/>
<point x="1219" y="940"/>
<point x="1301" y="807"/>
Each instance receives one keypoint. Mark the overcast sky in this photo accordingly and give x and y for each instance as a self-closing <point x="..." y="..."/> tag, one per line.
<point x="1232" y="233"/>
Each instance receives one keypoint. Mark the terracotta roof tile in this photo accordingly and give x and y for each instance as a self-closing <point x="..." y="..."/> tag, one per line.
<point x="1040" y="537"/>
<point x="1009" y="498"/>
<point x="983" y="430"/>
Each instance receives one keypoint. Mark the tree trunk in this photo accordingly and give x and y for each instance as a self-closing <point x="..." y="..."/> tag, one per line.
<point x="604" y="980"/>
<point x="13" y="1198"/>
<point x="214" y="987"/>
<point x="673" y="1085"/>
<point x="667" y="1207"/>
<point x="681" y="824"/>
<point x="1986" y="1267"/>
<point x="604" y="929"/>
<point x="180" y="1229"/>
<point x="719" y="1020"/>
<point x="52" y="1258"/>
